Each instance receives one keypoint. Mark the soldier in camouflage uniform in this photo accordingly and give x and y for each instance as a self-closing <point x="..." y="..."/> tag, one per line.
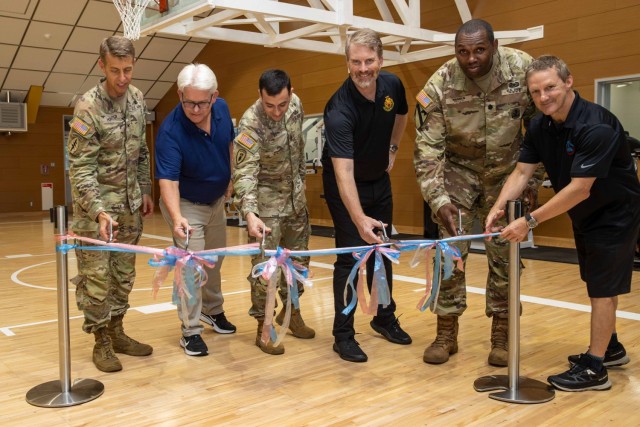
<point x="268" y="180"/>
<point x="469" y="129"/>
<point x="109" y="173"/>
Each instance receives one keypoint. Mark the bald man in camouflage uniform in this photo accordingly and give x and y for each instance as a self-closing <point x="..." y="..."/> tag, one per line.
<point x="469" y="129"/>
<point x="268" y="180"/>
<point x="109" y="174"/>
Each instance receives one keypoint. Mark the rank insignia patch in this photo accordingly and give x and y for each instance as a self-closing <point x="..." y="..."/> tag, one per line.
<point x="423" y="99"/>
<point x="388" y="104"/>
<point x="79" y="126"/>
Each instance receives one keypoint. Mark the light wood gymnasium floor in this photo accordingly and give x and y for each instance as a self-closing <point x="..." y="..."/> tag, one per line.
<point x="238" y="385"/>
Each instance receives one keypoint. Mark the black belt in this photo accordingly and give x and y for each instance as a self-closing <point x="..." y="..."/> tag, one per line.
<point x="200" y="203"/>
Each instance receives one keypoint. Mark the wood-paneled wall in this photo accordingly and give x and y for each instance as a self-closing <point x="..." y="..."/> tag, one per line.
<point x="596" y="38"/>
<point x="21" y="157"/>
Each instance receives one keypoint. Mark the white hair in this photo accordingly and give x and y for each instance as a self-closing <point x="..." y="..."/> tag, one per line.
<point x="197" y="76"/>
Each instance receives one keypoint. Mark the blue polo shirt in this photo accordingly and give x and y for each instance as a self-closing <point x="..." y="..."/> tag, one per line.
<point x="198" y="161"/>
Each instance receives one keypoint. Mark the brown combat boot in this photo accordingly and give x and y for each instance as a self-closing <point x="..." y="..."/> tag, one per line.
<point x="446" y="341"/>
<point x="499" y="355"/>
<point x="123" y="343"/>
<point x="296" y="325"/>
<point x="103" y="356"/>
<point x="268" y="348"/>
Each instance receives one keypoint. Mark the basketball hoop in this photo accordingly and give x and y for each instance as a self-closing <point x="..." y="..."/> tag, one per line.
<point x="131" y="14"/>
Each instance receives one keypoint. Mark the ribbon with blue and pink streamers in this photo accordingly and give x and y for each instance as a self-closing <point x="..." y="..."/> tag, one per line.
<point x="190" y="273"/>
<point x="379" y="286"/>
<point x="293" y="273"/>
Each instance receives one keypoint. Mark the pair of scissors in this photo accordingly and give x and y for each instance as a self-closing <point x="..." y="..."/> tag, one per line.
<point x="110" y="230"/>
<point x="186" y="242"/>
<point x="383" y="233"/>
<point x="264" y="239"/>
<point x="460" y="230"/>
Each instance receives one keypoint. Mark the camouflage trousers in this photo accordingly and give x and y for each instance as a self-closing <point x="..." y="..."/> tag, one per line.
<point x="290" y="232"/>
<point x="105" y="278"/>
<point x="453" y="292"/>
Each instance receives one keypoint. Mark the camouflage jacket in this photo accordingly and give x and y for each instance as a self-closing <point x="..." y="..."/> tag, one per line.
<point x="108" y="154"/>
<point x="269" y="164"/>
<point x="467" y="142"/>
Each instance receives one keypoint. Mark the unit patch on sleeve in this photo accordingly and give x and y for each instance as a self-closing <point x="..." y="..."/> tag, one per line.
<point x="79" y="126"/>
<point x="241" y="156"/>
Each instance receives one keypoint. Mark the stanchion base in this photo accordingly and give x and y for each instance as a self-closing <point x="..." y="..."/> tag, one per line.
<point x="528" y="390"/>
<point x="50" y="395"/>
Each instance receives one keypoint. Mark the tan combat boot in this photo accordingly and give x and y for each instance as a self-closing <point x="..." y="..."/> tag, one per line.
<point x="268" y="348"/>
<point x="499" y="341"/>
<point x="103" y="355"/>
<point x="296" y="325"/>
<point x="446" y="341"/>
<point x="123" y="343"/>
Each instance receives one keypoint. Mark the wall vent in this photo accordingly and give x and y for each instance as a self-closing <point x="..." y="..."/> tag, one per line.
<point x="13" y="117"/>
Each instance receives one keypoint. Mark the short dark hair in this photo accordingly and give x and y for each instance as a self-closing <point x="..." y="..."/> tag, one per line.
<point x="476" y="25"/>
<point x="546" y="62"/>
<point x="273" y="81"/>
<point x="118" y="46"/>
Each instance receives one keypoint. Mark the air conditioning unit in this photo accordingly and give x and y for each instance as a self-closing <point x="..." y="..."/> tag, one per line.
<point x="13" y="117"/>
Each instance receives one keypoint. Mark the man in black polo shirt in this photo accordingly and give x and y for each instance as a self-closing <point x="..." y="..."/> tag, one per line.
<point x="364" y="121"/>
<point x="584" y="150"/>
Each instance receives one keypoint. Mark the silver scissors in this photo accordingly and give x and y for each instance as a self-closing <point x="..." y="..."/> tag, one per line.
<point x="110" y="230"/>
<point x="383" y="234"/>
<point x="186" y="242"/>
<point x="460" y="230"/>
<point x="264" y="239"/>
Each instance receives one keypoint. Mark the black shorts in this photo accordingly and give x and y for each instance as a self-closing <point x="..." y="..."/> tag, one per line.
<point x="606" y="260"/>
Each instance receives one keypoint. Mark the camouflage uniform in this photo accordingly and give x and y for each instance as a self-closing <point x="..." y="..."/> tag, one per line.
<point x="467" y="144"/>
<point x="109" y="172"/>
<point x="268" y="180"/>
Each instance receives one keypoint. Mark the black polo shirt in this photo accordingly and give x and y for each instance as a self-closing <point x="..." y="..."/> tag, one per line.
<point x="359" y="129"/>
<point x="590" y="143"/>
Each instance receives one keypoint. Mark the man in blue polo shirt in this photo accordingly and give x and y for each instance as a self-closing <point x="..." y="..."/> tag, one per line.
<point x="585" y="153"/>
<point x="193" y="167"/>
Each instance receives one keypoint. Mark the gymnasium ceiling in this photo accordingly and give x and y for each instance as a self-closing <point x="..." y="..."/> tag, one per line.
<point x="54" y="44"/>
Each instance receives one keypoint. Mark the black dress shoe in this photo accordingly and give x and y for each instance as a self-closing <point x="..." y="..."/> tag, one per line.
<point x="392" y="332"/>
<point x="350" y="351"/>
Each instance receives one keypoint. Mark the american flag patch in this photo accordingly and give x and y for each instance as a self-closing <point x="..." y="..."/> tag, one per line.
<point x="246" y="140"/>
<point x="423" y="99"/>
<point x="79" y="126"/>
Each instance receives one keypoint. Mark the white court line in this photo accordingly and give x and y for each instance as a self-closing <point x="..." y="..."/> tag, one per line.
<point x="18" y="256"/>
<point x="154" y="308"/>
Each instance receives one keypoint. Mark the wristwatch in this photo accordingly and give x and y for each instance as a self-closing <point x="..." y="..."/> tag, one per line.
<point x="531" y="221"/>
<point x="393" y="148"/>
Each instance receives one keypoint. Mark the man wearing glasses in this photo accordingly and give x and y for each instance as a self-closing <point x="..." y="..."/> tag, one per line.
<point x="193" y="167"/>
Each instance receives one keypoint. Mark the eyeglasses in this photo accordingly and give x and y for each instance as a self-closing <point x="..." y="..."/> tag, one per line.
<point x="191" y="105"/>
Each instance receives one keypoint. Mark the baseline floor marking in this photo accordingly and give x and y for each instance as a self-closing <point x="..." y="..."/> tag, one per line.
<point x="7" y="330"/>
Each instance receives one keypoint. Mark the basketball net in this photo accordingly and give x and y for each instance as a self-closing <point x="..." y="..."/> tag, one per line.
<point x="131" y="14"/>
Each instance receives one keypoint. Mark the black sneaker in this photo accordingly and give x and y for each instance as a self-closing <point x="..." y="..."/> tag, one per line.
<point x="581" y="378"/>
<point x="194" y="346"/>
<point x="615" y="356"/>
<point x="392" y="332"/>
<point x="350" y="350"/>
<point x="219" y="323"/>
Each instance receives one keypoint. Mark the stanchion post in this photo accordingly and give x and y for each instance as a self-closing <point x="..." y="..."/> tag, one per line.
<point x="62" y="392"/>
<point x="515" y="389"/>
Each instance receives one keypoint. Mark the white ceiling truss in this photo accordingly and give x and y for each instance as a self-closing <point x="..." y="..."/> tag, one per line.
<point x="322" y="26"/>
